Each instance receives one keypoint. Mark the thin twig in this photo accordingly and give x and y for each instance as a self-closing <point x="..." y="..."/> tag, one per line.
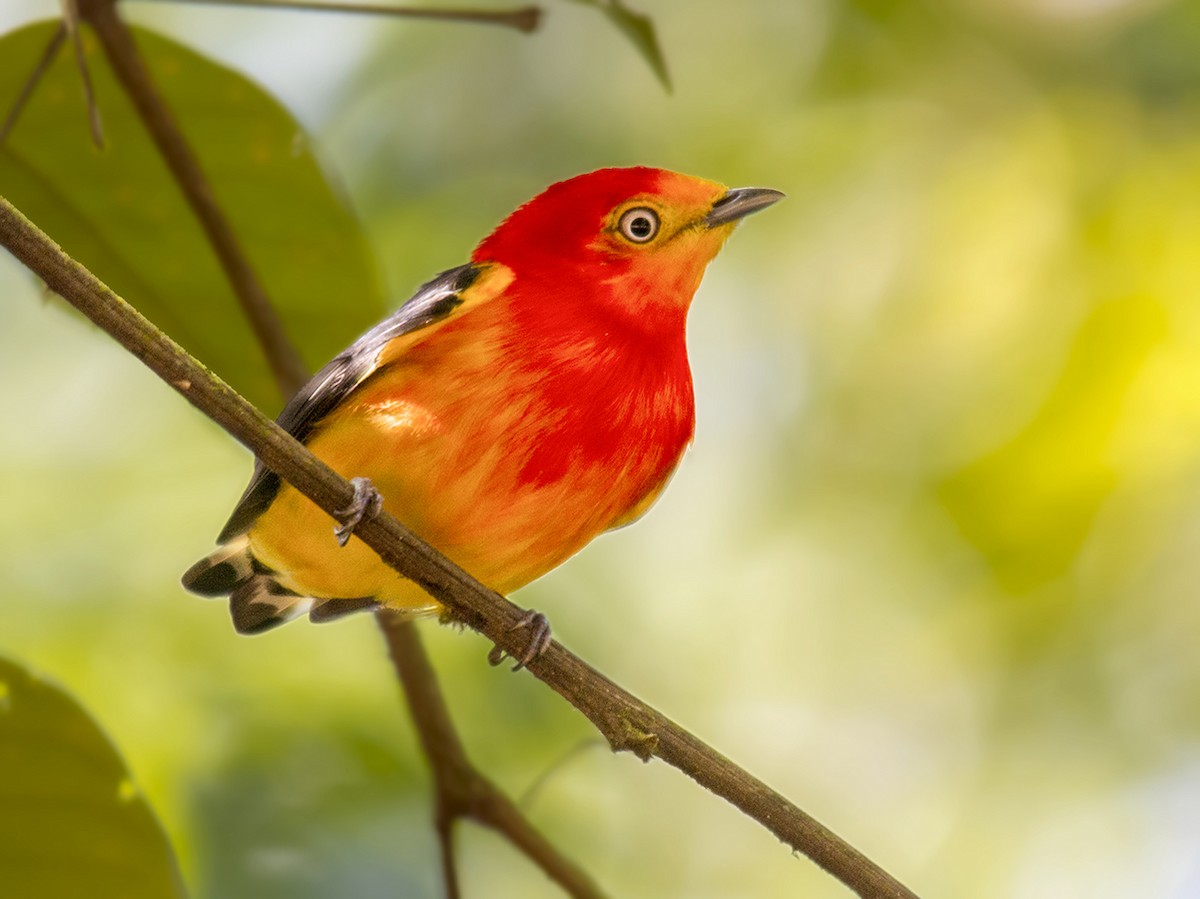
<point x="527" y="798"/>
<point x="526" y="18"/>
<point x="443" y="826"/>
<point x="70" y="9"/>
<point x="126" y="61"/>
<point x="461" y="791"/>
<point x="43" y="65"/>
<point x="625" y="721"/>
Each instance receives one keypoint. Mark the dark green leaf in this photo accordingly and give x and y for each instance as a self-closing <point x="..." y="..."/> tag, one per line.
<point x="120" y="213"/>
<point x="72" y="823"/>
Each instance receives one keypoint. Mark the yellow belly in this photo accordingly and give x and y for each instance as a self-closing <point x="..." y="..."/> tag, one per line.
<point x="457" y="481"/>
<point x="508" y="462"/>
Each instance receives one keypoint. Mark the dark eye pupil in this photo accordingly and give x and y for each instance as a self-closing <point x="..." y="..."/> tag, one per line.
<point x="639" y="225"/>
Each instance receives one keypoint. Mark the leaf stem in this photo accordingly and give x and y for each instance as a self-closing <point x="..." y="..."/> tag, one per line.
<point x="525" y="18"/>
<point x="71" y="22"/>
<point x="43" y="65"/>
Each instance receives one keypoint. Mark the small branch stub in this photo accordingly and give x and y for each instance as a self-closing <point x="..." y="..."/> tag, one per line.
<point x="637" y="741"/>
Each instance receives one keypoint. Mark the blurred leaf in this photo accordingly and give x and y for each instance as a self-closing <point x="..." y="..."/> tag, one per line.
<point x="1157" y="56"/>
<point x="1029" y="505"/>
<point x="639" y="30"/>
<point x="71" y="821"/>
<point x="121" y="214"/>
<point x="876" y="45"/>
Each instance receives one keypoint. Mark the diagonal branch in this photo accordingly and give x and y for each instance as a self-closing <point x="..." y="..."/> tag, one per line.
<point x="626" y="721"/>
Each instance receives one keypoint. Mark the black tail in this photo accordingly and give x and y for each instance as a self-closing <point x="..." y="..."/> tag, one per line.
<point x="257" y="601"/>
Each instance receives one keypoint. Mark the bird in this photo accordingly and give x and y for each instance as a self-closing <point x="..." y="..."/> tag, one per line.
<point x="512" y="410"/>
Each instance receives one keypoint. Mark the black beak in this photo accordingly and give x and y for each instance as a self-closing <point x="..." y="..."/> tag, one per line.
<point x="740" y="202"/>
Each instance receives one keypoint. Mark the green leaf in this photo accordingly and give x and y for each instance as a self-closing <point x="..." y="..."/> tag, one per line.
<point x="71" y="821"/>
<point x="639" y="30"/>
<point x="119" y="211"/>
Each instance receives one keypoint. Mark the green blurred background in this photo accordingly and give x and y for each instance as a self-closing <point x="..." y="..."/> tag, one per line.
<point x="929" y="568"/>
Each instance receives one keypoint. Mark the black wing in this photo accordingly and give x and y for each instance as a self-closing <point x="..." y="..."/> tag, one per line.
<point x="333" y="383"/>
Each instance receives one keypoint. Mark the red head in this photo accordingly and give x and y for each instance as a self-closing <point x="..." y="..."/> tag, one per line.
<point x="645" y="234"/>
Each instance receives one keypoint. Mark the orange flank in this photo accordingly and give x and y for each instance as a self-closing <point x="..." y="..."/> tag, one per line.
<point x="512" y="410"/>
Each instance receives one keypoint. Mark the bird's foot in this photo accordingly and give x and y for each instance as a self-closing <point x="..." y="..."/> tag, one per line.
<point x="538" y="641"/>
<point x="366" y="504"/>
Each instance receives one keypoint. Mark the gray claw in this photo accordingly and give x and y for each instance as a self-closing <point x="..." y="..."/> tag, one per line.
<point x="538" y="642"/>
<point x="366" y="504"/>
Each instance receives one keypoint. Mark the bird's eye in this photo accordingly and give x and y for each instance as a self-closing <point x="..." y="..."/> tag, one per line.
<point x="639" y="225"/>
